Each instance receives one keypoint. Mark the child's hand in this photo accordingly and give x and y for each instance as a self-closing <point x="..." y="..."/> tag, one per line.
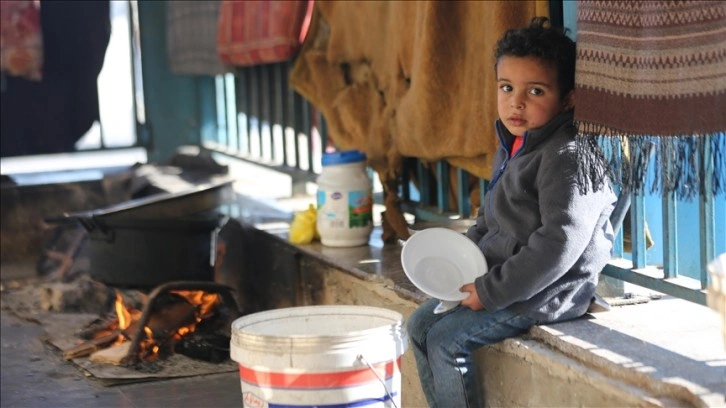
<point x="472" y="301"/>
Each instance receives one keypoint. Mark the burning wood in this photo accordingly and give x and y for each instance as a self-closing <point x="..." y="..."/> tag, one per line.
<point x="172" y="316"/>
<point x="112" y="355"/>
<point x="92" y="345"/>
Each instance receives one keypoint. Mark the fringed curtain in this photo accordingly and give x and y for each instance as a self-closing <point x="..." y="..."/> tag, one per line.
<point x="651" y="88"/>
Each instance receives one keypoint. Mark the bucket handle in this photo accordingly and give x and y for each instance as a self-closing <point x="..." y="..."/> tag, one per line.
<point x="383" y="383"/>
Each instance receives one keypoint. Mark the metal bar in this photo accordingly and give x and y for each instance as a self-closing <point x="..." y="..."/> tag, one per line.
<point x="260" y="107"/>
<point x="655" y="283"/>
<point x="271" y="116"/>
<point x="244" y="108"/>
<point x="241" y="133"/>
<point x="207" y="108"/>
<point x="462" y="188"/>
<point x="231" y="112"/>
<point x="295" y="173"/>
<point x="406" y="181"/>
<point x="221" y="109"/>
<point x="323" y="131"/>
<point x="706" y="213"/>
<point x="250" y="103"/>
<point x="670" y="236"/>
<point x="637" y="229"/>
<point x="286" y="111"/>
<point x="443" y="186"/>
<point x="254" y="116"/>
<point x="637" y="216"/>
<point x="297" y="125"/>
<point x="423" y="183"/>
<point x="277" y="111"/>
<point x="265" y="103"/>
<point x="306" y="130"/>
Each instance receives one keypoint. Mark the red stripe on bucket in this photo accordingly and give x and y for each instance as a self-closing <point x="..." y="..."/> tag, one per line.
<point x="319" y="380"/>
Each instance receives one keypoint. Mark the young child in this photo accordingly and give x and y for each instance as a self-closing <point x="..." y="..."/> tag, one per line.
<point x="544" y="241"/>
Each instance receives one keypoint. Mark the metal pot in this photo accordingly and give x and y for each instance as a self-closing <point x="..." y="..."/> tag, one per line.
<point x="153" y="240"/>
<point x="166" y="205"/>
<point x="145" y="253"/>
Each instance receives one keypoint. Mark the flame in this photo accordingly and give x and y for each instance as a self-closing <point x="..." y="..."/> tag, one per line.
<point x="204" y="303"/>
<point x="123" y="315"/>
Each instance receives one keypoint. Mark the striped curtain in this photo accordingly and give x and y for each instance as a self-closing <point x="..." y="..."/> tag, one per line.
<point x="651" y="88"/>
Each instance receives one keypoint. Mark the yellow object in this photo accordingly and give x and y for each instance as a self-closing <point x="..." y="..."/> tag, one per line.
<point x="303" y="229"/>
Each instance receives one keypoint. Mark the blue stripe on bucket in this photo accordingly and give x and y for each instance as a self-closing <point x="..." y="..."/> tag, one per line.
<point x="361" y="403"/>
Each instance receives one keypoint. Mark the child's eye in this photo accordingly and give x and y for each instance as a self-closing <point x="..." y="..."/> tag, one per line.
<point x="506" y="88"/>
<point x="536" y="91"/>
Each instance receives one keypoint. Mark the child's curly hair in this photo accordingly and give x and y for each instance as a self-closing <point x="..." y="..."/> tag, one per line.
<point x="541" y="41"/>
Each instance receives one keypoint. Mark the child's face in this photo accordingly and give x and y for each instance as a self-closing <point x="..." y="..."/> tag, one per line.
<point x="528" y="95"/>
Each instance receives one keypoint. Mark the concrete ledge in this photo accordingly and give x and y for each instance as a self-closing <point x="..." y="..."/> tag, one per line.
<point x="666" y="352"/>
<point x="668" y="348"/>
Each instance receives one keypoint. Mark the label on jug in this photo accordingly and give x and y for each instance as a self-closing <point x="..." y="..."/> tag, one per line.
<point x="352" y="209"/>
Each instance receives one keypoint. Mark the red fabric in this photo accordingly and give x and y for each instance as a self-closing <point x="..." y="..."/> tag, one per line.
<point x="261" y="32"/>
<point x="21" y="44"/>
<point x="516" y="145"/>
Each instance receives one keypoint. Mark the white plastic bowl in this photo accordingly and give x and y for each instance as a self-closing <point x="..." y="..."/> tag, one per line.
<point x="439" y="261"/>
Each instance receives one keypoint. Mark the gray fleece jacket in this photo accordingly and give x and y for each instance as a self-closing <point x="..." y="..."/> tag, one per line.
<point x="544" y="242"/>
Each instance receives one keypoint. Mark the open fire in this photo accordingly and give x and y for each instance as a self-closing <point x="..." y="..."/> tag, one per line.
<point x="180" y="316"/>
<point x="174" y="319"/>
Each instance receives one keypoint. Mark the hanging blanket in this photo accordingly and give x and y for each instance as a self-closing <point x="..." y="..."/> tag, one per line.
<point x="21" y="41"/>
<point x="651" y="75"/>
<point x="408" y="79"/>
<point x="262" y="32"/>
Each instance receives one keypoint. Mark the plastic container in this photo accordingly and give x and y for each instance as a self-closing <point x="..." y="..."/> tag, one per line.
<point x="439" y="261"/>
<point x="313" y="356"/>
<point x="345" y="200"/>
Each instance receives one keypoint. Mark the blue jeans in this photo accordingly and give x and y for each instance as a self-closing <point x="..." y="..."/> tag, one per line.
<point x="443" y="345"/>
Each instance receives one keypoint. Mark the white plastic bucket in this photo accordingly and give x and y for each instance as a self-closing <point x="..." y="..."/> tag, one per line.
<point x="318" y="356"/>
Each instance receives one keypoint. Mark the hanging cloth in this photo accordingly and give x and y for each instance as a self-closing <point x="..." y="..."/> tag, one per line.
<point x="191" y="38"/>
<point x="651" y="76"/>
<point x="262" y="32"/>
<point x="52" y="114"/>
<point x="21" y="40"/>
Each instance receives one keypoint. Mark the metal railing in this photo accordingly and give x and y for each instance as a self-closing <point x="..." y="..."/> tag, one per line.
<point x="262" y="120"/>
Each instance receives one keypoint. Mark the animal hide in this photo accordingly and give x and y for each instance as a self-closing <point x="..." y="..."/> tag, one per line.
<point x="408" y="79"/>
